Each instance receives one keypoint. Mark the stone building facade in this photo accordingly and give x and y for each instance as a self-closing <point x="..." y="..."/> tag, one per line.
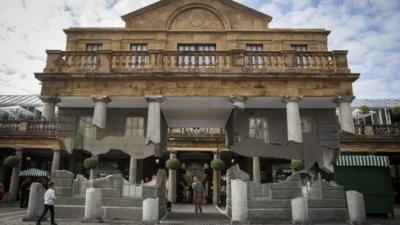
<point x="197" y="80"/>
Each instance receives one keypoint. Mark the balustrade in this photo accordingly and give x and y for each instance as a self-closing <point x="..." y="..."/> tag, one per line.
<point x="203" y="61"/>
<point x="29" y="128"/>
<point x="377" y="130"/>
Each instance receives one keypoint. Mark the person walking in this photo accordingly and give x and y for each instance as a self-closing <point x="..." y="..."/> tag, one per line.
<point x="49" y="197"/>
<point x="198" y="191"/>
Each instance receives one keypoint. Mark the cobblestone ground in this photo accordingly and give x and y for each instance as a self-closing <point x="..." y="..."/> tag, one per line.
<point x="11" y="214"/>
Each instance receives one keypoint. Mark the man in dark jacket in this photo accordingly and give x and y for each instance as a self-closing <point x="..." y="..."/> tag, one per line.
<point x="24" y="192"/>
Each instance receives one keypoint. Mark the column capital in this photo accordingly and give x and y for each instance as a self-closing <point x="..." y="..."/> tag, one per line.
<point x="50" y="99"/>
<point x="105" y="99"/>
<point x="154" y="98"/>
<point x="238" y="101"/>
<point x="341" y="99"/>
<point x="287" y="99"/>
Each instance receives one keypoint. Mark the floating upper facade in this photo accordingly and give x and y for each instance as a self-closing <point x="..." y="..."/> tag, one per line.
<point x="170" y="46"/>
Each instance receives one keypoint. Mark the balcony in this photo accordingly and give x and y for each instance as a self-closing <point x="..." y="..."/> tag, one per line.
<point x="196" y="138"/>
<point x="163" y="62"/>
<point x="378" y="130"/>
<point x="28" y="128"/>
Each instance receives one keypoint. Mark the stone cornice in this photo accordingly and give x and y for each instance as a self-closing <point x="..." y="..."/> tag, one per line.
<point x="199" y="76"/>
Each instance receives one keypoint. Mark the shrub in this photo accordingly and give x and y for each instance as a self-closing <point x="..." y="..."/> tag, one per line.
<point x="396" y="111"/>
<point x="217" y="164"/>
<point x="173" y="164"/>
<point x="296" y="165"/>
<point x="12" y="161"/>
<point x="364" y="109"/>
<point x="90" y="163"/>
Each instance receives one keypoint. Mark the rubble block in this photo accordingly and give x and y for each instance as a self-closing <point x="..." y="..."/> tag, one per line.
<point x="110" y="181"/>
<point x="234" y="172"/>
<point x="63" y="180"/>
<point x="300" y="210"/>
<point x="356" y="204"/>
<point x="93" y="210"/>
<point x="35" y="206"/>
<point x="122" y="213"/>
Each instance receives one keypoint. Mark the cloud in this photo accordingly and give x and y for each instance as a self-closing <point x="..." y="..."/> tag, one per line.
<point x="369" y="29"/>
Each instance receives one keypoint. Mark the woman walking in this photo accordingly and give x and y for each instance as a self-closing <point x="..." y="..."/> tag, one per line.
<point x="49" y="197"/>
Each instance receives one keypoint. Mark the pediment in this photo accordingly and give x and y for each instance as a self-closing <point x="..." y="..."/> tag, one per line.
<point x="196" y="15"/>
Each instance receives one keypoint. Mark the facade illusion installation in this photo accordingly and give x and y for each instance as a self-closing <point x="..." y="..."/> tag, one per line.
<point x="197" y="80"/>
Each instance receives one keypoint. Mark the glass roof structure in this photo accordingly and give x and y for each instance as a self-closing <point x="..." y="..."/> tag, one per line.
<point x="376" y="103"/>
<point x="20" y="100"/>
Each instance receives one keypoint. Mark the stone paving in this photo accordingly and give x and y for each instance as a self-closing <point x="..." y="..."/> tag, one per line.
<point x="11" y="214"/>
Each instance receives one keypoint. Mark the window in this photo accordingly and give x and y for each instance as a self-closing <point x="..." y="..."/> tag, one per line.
<point x="252" y="58"/>
<point x="198" y="56"/>
<point x="91" y="60"/>
<point x="258" y="128"/>
<point x="93" y="47"/>
<point x="139" y="57"/>
<point x="306" y="125"/>
<point x="134" y="126"/>
<point x="85" y="126"/>
<point x="302" y="60"/>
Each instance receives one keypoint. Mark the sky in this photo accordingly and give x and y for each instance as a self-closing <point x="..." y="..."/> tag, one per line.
<point x="369" y="29"/>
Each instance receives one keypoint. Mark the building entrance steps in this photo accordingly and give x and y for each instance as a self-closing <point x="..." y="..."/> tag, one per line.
<point x="184" y="214"/>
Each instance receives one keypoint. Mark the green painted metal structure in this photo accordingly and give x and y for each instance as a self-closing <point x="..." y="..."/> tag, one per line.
<point x="370" y="176"/>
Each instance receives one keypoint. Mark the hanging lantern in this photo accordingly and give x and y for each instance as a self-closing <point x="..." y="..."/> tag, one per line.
<point x="183" y="166"/>
<point x="206" y="166"/>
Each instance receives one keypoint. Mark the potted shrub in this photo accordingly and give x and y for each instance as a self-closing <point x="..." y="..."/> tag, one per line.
<point x="296" y="165"/>
<point x="217" y="164"/>
<point x="364" y="110"/>
<point x="90" y="163"/>
<point x="173" y="164"/>
<point x="12" y="161"/>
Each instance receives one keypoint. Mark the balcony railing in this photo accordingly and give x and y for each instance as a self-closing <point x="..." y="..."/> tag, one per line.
<point x="185" y="61"/>
<point x="218" y="133"/>
<point x="27" y="128"/>
<point x="378" y="130"/>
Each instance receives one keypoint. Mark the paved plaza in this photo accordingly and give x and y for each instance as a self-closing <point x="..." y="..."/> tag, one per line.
<point x="11" y="214"/>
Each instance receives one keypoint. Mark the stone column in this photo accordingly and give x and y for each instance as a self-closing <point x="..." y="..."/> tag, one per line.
<point x="346" y="113"/>
<point x="14" y="184"/>
<point x="256" y="170"/>
<point x="100" y="110"/>
<point x="238" y="102"/>
<point x="154" y="119"/>
<point x="35" y="205"/>
<point x="293" y="119"/>
<point x="49" y="108"/>
<point x="239" y="200"/>
<point x="300" y="211"/>
<point x="216" y="182"/>
<point x="56" y="160"/>
<point x="356" y="207"/>
<point x="151" y="210"/>
<point x="93" y="210"/>
<point x="172" y="182"/>
<point x="93" y="171"/>
<point x="132" y="170"/>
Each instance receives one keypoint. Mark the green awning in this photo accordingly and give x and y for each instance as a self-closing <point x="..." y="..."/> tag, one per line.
<point x="362" y="160"/>
<point x="33" y="172"/>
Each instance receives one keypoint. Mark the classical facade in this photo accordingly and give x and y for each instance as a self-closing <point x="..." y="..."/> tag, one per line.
<point x="197" y="80"/>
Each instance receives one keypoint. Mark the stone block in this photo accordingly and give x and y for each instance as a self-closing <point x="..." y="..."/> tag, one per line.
<point x="70" y="211"/>
<point x="93" y="210"/>
<point x="239" y="200"/>
<point x="111" y="181"/>
<point x="300" y="210"/>
<point x="122" y="201"/>
<point x="110" y="192"/>
<point x="276" y="214"/>
<point x="286" y="194"/>
<point x="122" y="213"/>
<point x="35" y="205"/>
<point x="63" y="191"/>
<point x="151" y="210"/>
<point x="326" y="203"/>
<point x="268" y="204"/>
<point x="333" y="194"/>
<point x="286" y="185"/>
<point x="356" y="207"/>
<point x="62" y="182"/>
<point x="328" y="214"/>
<point x="62" y="174"/>
<point x="68" y="200"/>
